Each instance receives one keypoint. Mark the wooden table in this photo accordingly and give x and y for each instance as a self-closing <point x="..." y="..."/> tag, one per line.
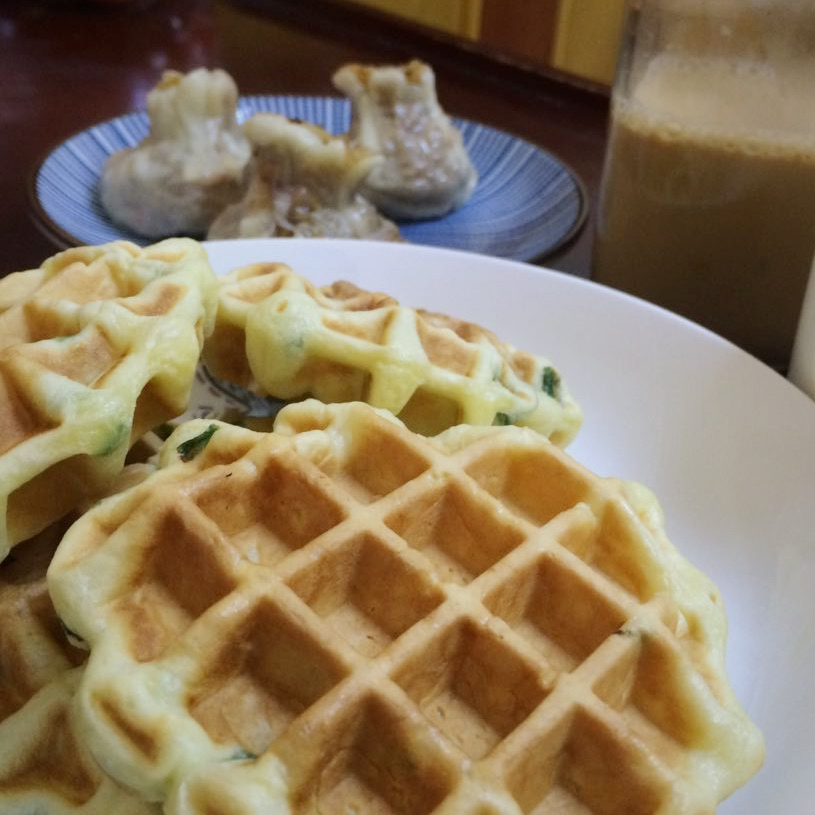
<point x="68" y="65"/>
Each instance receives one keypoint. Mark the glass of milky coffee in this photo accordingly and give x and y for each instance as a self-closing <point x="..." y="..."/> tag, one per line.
<point x="707" y="203"/>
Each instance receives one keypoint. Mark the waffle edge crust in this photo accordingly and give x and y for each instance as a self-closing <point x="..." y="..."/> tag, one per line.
<point x="44" y="765"/>
<point x="97" y="346"/>
<point x="344" y="616"/>
<point x="279" y="334"/>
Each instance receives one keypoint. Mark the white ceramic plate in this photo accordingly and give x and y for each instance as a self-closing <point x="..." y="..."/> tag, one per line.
<point x="726" y="443"/>
<point x="526" y="202"/>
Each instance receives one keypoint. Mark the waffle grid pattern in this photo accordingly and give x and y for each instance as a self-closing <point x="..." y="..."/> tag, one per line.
<point x="34" y="649"/>
<point x="340" y="343"/>
<point x="405" y="626"/>
<point x="43" y="765"/>
<point x="96" y="347"/>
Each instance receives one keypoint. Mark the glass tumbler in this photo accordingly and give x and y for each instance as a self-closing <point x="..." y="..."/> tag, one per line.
<point x="707" y="203"/>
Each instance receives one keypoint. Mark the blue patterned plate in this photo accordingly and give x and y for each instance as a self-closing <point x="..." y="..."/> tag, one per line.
<point x="526" y="203"/>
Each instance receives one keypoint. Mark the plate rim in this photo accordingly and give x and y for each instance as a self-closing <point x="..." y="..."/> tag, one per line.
<point x="783" y="743"/>
<point x="64" y="239"/>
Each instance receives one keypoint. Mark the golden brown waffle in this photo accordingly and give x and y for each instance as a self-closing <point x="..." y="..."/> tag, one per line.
<point x="44" y="768"/>
<point x="343" y="616"/>
<point x="278" y="333"/>
<point x="97" y="346"/>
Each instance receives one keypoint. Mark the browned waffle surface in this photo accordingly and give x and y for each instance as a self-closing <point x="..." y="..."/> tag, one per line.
<point x="278" y="333"/>
<point x="44" y="767"/>
<point x="342" y="616"/>
<point x="96" y="347"/>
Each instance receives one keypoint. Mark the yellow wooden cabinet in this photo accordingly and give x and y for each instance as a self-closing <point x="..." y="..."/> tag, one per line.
<point x="587" y="37"/>
<point x="577" y="36"/>
<point x="459" y="17"/>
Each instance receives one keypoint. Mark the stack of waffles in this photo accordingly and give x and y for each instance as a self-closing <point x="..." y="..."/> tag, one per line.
<point x="405" y="599"/>
<point x="344" y="616"/>
<point x="279" y="334"/>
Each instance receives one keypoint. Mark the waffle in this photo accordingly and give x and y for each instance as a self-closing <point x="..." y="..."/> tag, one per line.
<point x="96" y="346"/>
<point x="343" y="616"/>
<point x="44" y="768"/>
<point x="278" y="333"/>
